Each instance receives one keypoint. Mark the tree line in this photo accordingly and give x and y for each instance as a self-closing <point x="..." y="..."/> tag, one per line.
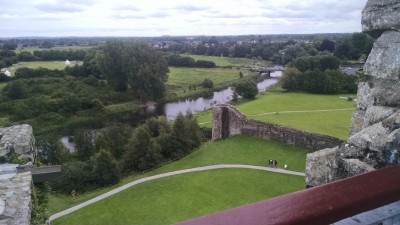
<point x="186" y="61"/>
<point x="317" y="75"/>
<point x="120" y="150"/>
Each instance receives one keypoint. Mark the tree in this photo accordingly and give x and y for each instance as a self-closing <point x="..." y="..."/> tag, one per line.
<point x="246" y="88"/>
<point x="114" y="140"/>
<point x="289" y="79"/>
<point x="207" y="83"/>
<point x="112" y="64"/>
<point x="327" y="45"/>
<point x="16" y="89"/>
<point x="105" y="168"/>
<point x="142" y="151"/>
<point x="136" y="64"/>
<point x="74" y="176"/>
<point x="71" y="103"/>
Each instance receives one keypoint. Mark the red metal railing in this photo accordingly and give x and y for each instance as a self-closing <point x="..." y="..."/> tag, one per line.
<point x="323" y="204"/>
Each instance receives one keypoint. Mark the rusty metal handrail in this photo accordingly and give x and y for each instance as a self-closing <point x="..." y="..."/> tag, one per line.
<point x="323" y="204"/>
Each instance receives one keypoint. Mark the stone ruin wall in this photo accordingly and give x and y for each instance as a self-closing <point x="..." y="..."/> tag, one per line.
<point x="374" y="140"/>
<point x="227" y="121"/>
<point x="15" y="199"/>
<point x="19" y="138"/>
<point x="15" y="187"/>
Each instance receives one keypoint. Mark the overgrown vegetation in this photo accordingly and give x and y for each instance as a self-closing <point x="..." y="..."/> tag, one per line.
<point x="100" y="160"/>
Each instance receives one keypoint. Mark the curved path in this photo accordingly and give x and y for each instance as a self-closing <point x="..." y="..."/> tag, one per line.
<point x="197" y="169"/>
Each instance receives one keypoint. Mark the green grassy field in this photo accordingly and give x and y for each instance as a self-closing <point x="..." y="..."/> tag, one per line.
<point x="173" y="199"/>
<point x="36" y="64"/>
<point x="181" y="78"/>
<point x="225" y="61"/>
<point x="2" y="85"/>
<point x="274" y="105"/>
<point x="32" y="49"/>
<point x="4" y="121"/>
<point x="235" y="150"/>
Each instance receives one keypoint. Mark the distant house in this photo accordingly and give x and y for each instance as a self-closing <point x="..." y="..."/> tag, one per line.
<point x="6" y="72"/>
<point x="67" y="62"/>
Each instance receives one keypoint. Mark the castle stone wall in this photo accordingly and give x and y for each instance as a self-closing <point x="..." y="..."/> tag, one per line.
<point x="234" y="122"/>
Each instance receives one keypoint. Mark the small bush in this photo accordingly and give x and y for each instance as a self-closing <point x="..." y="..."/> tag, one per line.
<point x="207" y="83"/>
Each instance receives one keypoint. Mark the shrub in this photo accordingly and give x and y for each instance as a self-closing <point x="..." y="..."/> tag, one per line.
<point x="207" y="83"/>
<point x="246" y="88"/>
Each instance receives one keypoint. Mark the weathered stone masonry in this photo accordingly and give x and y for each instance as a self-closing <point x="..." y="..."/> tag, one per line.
<point x="374" y="140"/>
<point x="227" y="121"/>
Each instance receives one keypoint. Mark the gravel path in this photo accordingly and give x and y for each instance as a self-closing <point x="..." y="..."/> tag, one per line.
<point x="197" y="169"/>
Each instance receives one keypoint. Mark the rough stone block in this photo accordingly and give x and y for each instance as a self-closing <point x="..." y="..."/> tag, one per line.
<point x="364" y="98"/>
<point x="386" y="92"/>
<point x="16" y="194"/>
<point x="353" y="167"/>
<point x="321" y="167"/>
<point x="393" y="122"/>
<point x="376" y="114"/>
<point x="20" y="138"/>
<point x="384" y="59"/>
<point x="373" y="137"/>
<point x="380" y="15"/>
<point x="357" y="121"/>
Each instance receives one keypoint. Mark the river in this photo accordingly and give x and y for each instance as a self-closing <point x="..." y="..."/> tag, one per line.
<point x="172" y="109"/>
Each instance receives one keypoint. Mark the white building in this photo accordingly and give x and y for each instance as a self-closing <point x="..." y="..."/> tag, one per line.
<point x="5" y="71"/>
<point x="67" y="62"/>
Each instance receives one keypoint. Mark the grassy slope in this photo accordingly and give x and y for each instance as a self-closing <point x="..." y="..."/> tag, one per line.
<point x="335" y="123"/>
<point x="173" y="199"/>
<point x="2" y="85"/>
<point x="235" y="150"/>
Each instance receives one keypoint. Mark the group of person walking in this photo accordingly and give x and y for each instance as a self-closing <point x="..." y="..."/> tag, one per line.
<point x="272" y="163"/>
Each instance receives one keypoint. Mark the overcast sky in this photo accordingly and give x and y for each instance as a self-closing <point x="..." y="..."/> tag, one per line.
<point x="177" y="17"/>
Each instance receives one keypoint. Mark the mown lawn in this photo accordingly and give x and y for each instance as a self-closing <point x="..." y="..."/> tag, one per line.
<point x="36" y="64"/>
<point x="274" y="106"/>
<point x="235" y="150"/>
<point x="177" y="198"/>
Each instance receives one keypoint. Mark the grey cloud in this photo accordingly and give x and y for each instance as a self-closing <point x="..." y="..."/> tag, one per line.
<point x="159" y="14"/>
<point x="230" y="15"/>
<point x="191" y="8"/>
<point x="54" y="8"/>
<point x="129" y="16"/>
<point x="127" y="8"/>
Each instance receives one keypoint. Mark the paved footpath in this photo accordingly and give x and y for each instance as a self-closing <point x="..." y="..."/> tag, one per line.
<point x="197" y="169"/>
